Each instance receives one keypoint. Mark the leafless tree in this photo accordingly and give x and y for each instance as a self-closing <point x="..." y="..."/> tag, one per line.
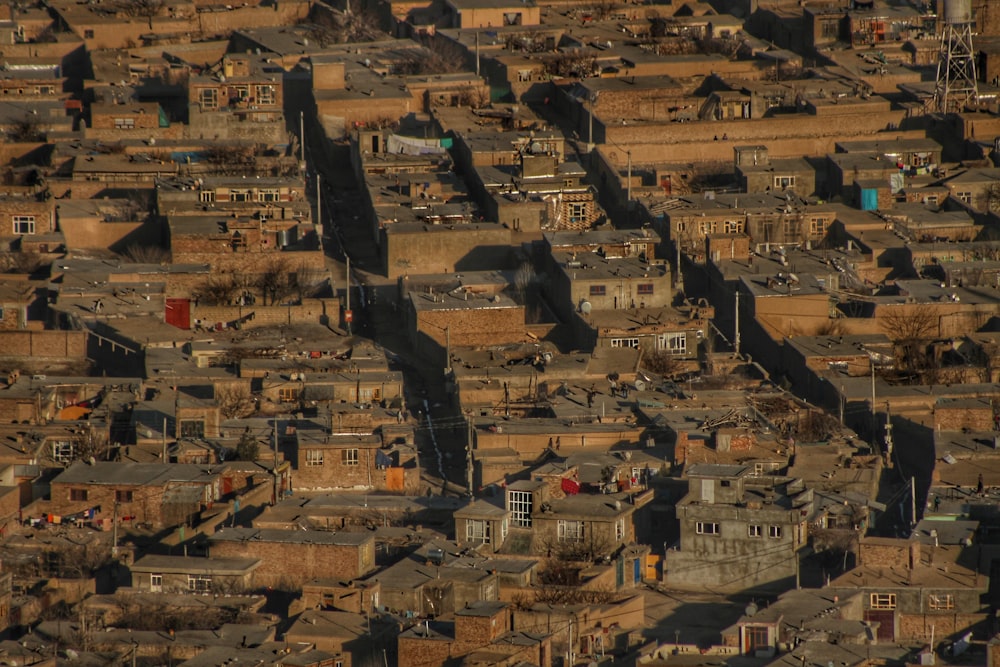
<point x="146" y="254"/>
<point x="26" y="129"/>
<point x="217" y="290"/>
<point x="475" y="97"/>
<point x="911" y="328"/>
<point x="662" y="363"/>
<point x="274" y="281"/>
<point x="235" y="401"/>
<point x="575" y="65"/>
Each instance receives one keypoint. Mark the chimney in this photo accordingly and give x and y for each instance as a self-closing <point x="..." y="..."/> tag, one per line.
<point x="914" y="554"/>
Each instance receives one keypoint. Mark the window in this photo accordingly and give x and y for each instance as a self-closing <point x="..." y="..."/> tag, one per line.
<point x="577" y="210"/>
<point x="349" y="457"/>
<point x="239" y="195"/>
<point x="681" y="227"/>
<point x="269" y="194"/>
<point x="570" y="531"/>
<point x="755" y="530"/>
<point x="624" y="342"/>
<point x="964" y="196"/>
<point x="503" y="529"/>
<point x="707" y="227"/>
<point x="200" y="583"/>
<point x="314" y="457"/>
<point x="24" y="224"/>
<point x="705" y="528"/>
<point x="732" y="226"/>
<point x="620" y="529"/>
<point x="156" y="583"/>
<point x="62" y="452"/>
<point x="882" y="600"/>
<point x="644" y="288"/>
<point x="519" y="504"/>
<point x="123" y="496"/>
<point x="942" y="602"/>
<point x="265" y="95"/>
<point x="192" y="428"/>
<point x="124" y="123"/>
<point x="598" y="290"/>
<point x="756" y="638"/>
<point x="774" y="531"/>
<point x="207" y="196"/>
<point x="524" y="75"/>
<point x="288" y="394"/>
<point x="78" y="495"/>
<point x="830" y="29"/>
<point x="88" y="34"/>
<point x="674" y="343"/>
<point x="817" y="226"/>
<point x="241" y="92"/>
<point x="791" y="227"/>
<point x="784" y="182"/>
<point x="208" y="98"/>
<point x="477" y="530"/>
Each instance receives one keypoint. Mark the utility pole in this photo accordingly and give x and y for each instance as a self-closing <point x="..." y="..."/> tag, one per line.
<point x="163" y="458"/>
<point x="302" y="138"/>
<point x="590" y="127"/>
<point x="274" y="438"/>
<point x="319" y="205"/>
<point x="736" y="337"/>
<point x="114" y="531"/>
<point x="468" y="457"/>
<point x="447" y="348"/>
<point x="874" y="423"/>
<point x="913" y="501"/>
<point x="350" y="316"/>
<point x="477" y="53"/>
<point x="629" y="195"/>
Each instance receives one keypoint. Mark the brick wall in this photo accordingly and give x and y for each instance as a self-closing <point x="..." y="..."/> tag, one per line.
<point x="310" y="310"/>
<point x="310" y="561"/>
<point x="44" y="344"/>
<point x="921" y="626"/>
<point x="960" y="418"/>
<point x="419" y="652"/>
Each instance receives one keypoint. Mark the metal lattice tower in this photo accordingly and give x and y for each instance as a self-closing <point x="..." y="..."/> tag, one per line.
<point x="956" y="71"/>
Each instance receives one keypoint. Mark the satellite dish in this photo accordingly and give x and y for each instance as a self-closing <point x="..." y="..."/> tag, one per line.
<point x="585" y="307"/>
<point x="640" y="385"/>
<point x="71" y="654"/>
<point x="536" y="147"/>
<point x="750" y="610"/>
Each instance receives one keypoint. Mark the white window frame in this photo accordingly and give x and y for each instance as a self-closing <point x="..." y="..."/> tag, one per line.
<point x="520" y="505"/>
<point x="126" y="123"/>
<point x="774" y="532"/>
<point x="265" y="95"/>
<point x="625" y="342"/>
<point x="63" y="451"/>
<point x="674" y="343"/>
<point x="478" y="531"/>
<point x="755" y="530"/>
<point x="784" y="182"/>
<point x="208" y="98"/>
<point x="268" y="195"/>
<point x="156" y="583"/>
<point x="570" y="530"/>
<point x="314" y="457"/>
<point x="206" y="196"/>
<point x="350" y="457"/>
<point x="620" y="529"/>
<point x="23" y="224"/>
<point x="706" y="528"/>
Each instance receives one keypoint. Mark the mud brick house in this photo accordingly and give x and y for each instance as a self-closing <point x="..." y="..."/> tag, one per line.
<point x="481" y="633"/>
<point x="173" y="574"/>
<point x="347" y="460"/>
<point x="582" y="524"/>
<point x="25" y="214"/>
<point x="677" y="331"/>
<point x="314" y="553"/>
<point x="240" y="97"/>
<point x="356" y="597"/>
<point x="353" y="638"/>
<point x="158" y="494"/>
<point x="366" y="386"/>
<point x="725" y="513"/>
<point x="462" y="318"/>
<point x="799" y="616"/>
<point x="482" y="523"/>
<point x="915" y="590"/>
<point x="435" y="580"/>
<point x="586" y="282"/>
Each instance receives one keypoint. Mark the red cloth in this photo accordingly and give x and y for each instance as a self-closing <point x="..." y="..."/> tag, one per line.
<point x="570" y="487"/>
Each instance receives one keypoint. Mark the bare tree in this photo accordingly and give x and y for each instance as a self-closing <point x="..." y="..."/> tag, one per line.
<point x="235" y="401"/>
<point x="26" y="129"/>
<point x="274" y="281"/>
<point x="217" y="290"/>
<point x="662" y="363"/>
<point x="910" y="328"/>
<point x="146" y="254"/>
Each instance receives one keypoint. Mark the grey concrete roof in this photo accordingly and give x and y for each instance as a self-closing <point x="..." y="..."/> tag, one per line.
<point x="189" y="564"/>
<point x="320" y="537"/>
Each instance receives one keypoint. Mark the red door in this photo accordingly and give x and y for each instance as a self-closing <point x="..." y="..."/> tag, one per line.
<point x="178" y="313"/>
<point x="886" y="624"/>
